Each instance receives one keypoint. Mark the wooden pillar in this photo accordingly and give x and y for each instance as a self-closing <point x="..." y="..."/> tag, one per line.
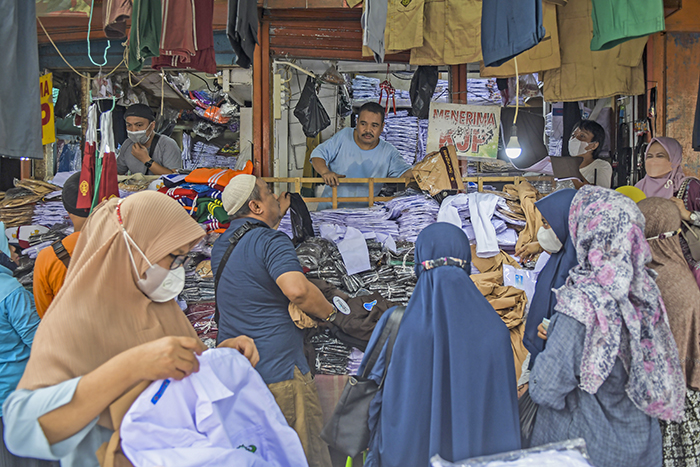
<point x="458" y="94"/>
<point x="262" y="104"/>
<point x="458" y="84"/>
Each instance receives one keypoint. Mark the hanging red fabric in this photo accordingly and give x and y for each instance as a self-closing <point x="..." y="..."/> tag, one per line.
<point x="108" y="186"/>
<point x="87" y="171"/>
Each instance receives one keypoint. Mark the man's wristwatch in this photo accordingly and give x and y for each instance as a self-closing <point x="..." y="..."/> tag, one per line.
<point x="149" y="164"/>
<point x="330" y="318"/>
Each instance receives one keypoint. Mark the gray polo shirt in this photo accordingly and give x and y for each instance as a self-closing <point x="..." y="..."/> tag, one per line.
<point x="167" y="154"/>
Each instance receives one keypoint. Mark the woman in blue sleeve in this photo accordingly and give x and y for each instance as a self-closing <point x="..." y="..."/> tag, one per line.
<point x="113" y="327"/>
<point x="18" y="323"/>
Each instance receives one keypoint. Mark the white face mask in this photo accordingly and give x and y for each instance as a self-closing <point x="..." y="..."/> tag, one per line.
<point x="140" y="137"/>
<point x="548" y="240"/>
<point x="577" y="147"/>
<point x="160" y="285"/>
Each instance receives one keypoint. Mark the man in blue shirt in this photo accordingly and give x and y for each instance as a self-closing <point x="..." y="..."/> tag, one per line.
<point x="259" y="280"/>
<point x="358" y="153"/>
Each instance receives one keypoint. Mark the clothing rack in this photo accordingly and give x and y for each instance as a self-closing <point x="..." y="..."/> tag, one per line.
<point x="370" y="199"/>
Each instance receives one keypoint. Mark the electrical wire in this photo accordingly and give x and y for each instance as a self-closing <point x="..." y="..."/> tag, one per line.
<point x="109" y="43"/>
<point x="206" y="83"/>
<point x="517" y="91"/>
<point x="64" y="58"/>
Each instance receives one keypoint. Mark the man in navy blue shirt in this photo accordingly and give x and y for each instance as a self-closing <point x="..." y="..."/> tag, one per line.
<point x="259" y="280"/>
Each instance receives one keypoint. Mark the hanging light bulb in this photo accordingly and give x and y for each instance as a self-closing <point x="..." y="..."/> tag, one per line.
<point x="513" y="149"/>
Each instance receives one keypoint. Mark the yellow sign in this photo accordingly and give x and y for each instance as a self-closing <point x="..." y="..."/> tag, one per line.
<point x="48" y="128"/>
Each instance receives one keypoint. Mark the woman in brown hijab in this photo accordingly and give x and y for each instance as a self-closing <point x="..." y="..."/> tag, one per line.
<point x="682" y="299"/>
<point x="113" y="326"/>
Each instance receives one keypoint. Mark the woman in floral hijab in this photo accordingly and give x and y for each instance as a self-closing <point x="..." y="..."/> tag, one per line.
<point x="611" y="366"/>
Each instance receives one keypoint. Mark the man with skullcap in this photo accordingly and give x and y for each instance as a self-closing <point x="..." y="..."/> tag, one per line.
<point x="260" y="275"/>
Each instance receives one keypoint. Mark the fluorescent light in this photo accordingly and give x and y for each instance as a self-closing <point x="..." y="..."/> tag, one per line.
<point x="513" y="149"/>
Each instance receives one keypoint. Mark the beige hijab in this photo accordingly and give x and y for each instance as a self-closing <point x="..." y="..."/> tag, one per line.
<point x="678" y="287"/>
<point x="100" y="312"/>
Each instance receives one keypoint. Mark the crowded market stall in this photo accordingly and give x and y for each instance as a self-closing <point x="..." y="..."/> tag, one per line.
<point x="477" y="137"/>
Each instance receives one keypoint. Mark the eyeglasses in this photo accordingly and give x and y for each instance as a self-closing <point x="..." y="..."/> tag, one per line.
<point x="178" y="261"/>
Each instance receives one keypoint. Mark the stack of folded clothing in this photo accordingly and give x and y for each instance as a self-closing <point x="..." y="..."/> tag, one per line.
<point x="401" y="130"/>
<point x="483" y="92"/>
<point x="412" y="213"/>
<point x="200" y="194"/>
<point x="48" y="213"/>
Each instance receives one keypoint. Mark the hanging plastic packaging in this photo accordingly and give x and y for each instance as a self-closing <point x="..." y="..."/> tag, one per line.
<point x="422" y="89"/>
<point x="311" y="114"/>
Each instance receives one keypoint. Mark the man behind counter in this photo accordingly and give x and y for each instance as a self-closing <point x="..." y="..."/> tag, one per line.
<point x="358" y="153"/>
<point x="146" y="151"/>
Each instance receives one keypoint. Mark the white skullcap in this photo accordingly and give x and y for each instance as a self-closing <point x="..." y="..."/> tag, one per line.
<point x="237" y="192"/>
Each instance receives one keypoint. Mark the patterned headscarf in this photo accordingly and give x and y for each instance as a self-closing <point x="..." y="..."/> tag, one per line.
<point x="613" y="294"/>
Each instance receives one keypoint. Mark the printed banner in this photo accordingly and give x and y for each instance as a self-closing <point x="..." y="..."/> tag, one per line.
<point x="472" y="129"/>
<point x="48" y="128"/>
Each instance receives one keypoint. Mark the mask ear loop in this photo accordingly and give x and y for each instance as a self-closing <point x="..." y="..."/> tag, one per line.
<point x="128" y="239"/>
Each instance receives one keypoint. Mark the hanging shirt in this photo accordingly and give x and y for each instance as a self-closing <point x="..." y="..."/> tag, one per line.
<point x="451" y="33"/>
<point x="598" y="173"/>
<point x="585" y="74"/>
<point x="49" y="274"/>
<point x="167" y="153"/>
<point x="224" y="413"/>
<point x="344" y="157"/>
<point x="146" y="24"/>
<point x="508" y="28"/>
<point x="543" y="56"/>
<point x="620" y="21"/>
<point x="252" y="304"/>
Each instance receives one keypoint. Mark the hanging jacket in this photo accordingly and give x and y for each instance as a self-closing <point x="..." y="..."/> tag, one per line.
<point x="584" y="74"/>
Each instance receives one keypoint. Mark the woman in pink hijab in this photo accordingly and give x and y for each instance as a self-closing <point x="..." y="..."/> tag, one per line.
<point x="665" y="179"/>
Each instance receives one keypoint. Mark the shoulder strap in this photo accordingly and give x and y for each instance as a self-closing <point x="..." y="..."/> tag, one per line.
<point x="682" y="189"/>
<point x="233" y="241"/>
<point x="389" y="332"/>
<point x="61" y="252"/>
<point x="154" y="143"/>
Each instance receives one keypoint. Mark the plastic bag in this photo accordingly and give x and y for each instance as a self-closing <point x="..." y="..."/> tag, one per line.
<point x="311" y="114"/>
<point x="523" y="279"/>
<point x="528" y="413"/>
<point x="570" y="453"/>
<point x="422" y="89"/>
<point x="302" y="226"/>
